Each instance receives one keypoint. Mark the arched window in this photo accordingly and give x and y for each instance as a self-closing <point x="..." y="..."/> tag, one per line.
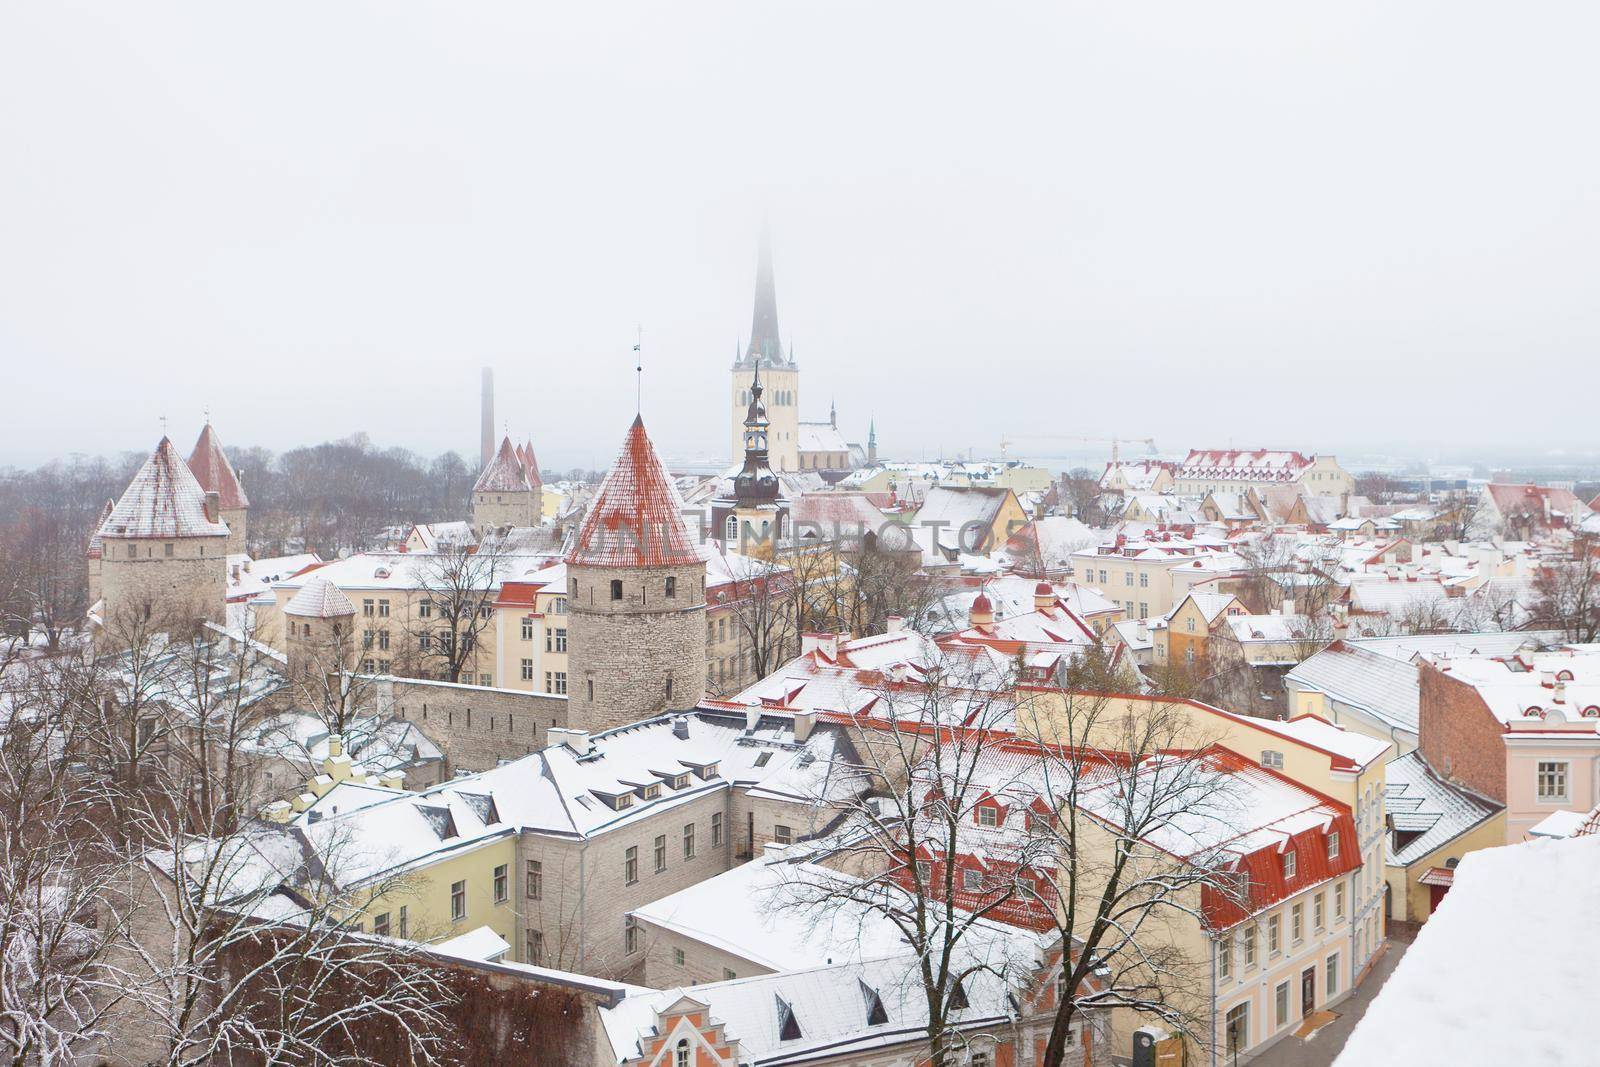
<point x="732" y="532"/>
<point x="616" y="589"/>
<point x="680" y="1055"/>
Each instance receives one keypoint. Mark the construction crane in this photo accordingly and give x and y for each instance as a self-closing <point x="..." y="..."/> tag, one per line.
<point x="1115" y="442"/>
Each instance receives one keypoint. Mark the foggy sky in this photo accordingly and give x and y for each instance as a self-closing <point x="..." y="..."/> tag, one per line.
<point x="1274" y="224"/>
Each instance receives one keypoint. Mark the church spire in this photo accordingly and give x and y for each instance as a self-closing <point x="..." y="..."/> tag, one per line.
<point x="755" y="484"/>
<point x="765" y="347"/>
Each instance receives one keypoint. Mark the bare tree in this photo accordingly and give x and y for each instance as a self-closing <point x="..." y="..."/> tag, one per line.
<point x="764" y="611"/>
<point x="43" y="583"/>
<point x="1081" y="497"/>
<point x="908" y="801"/>
<point x="1567" y="593"/>
<point x="460" y="582"/>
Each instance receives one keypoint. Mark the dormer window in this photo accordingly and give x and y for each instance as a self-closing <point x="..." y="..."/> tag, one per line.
<point x="1288" y="865"/>
<point x="651" y="792"/>
<point x="680" y="782"/>
<point x="1272" y="760"/>
<point x="788" y="1025"/>
<point x="624" y="800"/>
<point x="876" y="1015"/>
<point x="988" y="816"/>
<point x="1333" y="845"/>
<point x="709" y="771"/>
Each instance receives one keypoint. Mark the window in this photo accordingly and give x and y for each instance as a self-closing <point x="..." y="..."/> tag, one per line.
<point x="1318" y="912"/>
<point x="1247" y="946"/>
<point x="1271" y="759"/>
<point x="669" y="687"/>
<point x="688" y="840"/>
<point x="782" y="834"/>
<point x="527" y="670"/>
<point x="1333" y="845"/>
<point x="1144" y="579"/>
<point x="716" y="828"/>
<point x="678" y="957"/>
<point x="1274" y="928"/>
<point x="1332" y="980"/>
<point x="591" y="689"/>
<point x="661" y="853"/>
<point x="458" y="900"/>
<point x="502" y="883"/>
<point x="1297" y="923"/>
<point x="527" y="629"/>
<point x="971" y="879"/>
<point x="630" y="865"/>
<point x="380" y="924"/>
<point x="1128" y="578"/>
<point x="404" y="929"/>
<point x="535" y="947"/>
<point x="1289" y="865"/>
<point x="1225" y="957"/>
<point x="672" y="587"/>
<point x="1236" y="1029"/>
<point x="1280" y="1006"/>
<point x="616" y="589"/>
<point x="560" y="687"/>
<point x="561" y="639"/>
<point x="425" y="610"/>
<point x="1552" y="781"/>
<point x="367" y="608"/>
<point x="425" y="642"/>
<point x="383" y="609"/>
<point x="924" y="871"/>
<point x="535" y="880"/>
<point x="988" y="816"/>
<point x="485" y="679"/>
<point x="1338" y="901"/>
<point x="652" y="792"/>
<point x="630" y="935"/>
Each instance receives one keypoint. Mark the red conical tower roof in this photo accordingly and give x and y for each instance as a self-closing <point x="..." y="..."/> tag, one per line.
<point x="504" y="474"/>
<point x="530" y="464"/>
<point x="213" y="471"/>
<point x="636" y="519"/>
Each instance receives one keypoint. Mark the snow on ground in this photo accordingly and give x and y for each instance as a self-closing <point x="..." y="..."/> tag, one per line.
<point x="1503" y="971"/>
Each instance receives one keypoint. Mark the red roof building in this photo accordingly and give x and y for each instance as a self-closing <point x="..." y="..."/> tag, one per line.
<point x="213" y="471"/>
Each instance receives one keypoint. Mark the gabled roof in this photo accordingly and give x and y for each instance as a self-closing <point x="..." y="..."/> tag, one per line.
<point x="636" y="518"/>
<point x="213" y="471"/>
<point x="1426" y="811"/>
<point x="1260" y="465"/>
<point x="319" y="599"/>
<point x="505" y="472"/>
<point x="163" y="500"/>
<point x="1382" y="686"/>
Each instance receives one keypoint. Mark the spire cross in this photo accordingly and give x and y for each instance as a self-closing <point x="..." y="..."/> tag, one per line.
<point x="163" y="426"/>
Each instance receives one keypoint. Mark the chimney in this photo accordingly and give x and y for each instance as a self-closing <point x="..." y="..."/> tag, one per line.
<point x="680" y="727"/>
<point x="213" y="507"/>
<point x="487" y="444"/>
<point x="335" y="745"/>
<point x="982" y="612"/>
<point x="1044" y="598"/>
<point x="392" y="780"/>
<point x="804" y="723"/>
<point x="578" y="740"/>
<point x="1288" y="605"/>
<point x="1560" y="694"/>
<point x="826" y="644"/>
<point x="752" y="718"/>
<point x="894" y="624"/>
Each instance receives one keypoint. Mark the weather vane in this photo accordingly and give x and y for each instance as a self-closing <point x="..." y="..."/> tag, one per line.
<point x="638" y="370"/>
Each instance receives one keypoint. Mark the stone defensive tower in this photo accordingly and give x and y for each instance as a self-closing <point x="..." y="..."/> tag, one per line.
<point x="508" y="492"/>
<point x="211" y="469"/>
<point x="636" y="598"/>
<point x="782" y="375"/>
<point x="319" y="624"/>
<point x="163" y="549"/>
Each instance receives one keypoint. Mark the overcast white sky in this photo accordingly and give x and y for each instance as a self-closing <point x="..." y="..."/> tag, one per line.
<point x="1273" y="223"/>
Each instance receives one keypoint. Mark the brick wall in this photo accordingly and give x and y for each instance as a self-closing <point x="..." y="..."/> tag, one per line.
<point x="474" y="726"/>
<point x="1459" y="737"/>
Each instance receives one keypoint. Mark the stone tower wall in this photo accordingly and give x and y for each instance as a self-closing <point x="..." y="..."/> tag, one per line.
<point x="238" y="534"/>
<point x="191" y="583"/>
<point x="627" y="649"/>
<point x="781" y="391"/>
<point x="491" y="510"/>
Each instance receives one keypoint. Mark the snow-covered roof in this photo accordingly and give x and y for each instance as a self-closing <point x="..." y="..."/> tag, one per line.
<point x="764" y="911"/>
<point x="1382" y="686"/>
<point x="163" y="500"/>
<point x="1136" y="474"/>
<point x="1261" y="465"/>
<point x="249" y="578"/>
<point x="1561" y="684"/>
<point x="1426" y="811"/>
<point x="821" y="437"/>
<point x="1502" y="971"/>
<point x="505" y="472"/>
<point x="319" y="599"/>
<point x="1255" y="629"/>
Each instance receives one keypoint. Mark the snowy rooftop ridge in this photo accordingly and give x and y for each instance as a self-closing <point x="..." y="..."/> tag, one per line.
<point x="163" y="500"/>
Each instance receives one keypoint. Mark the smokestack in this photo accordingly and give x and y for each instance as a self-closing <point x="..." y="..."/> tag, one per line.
<point x="487" y="446"/>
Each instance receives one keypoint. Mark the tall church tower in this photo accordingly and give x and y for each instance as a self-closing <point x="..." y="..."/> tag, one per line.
<point x="782" y="375"/>
<point x="636" y="598"/>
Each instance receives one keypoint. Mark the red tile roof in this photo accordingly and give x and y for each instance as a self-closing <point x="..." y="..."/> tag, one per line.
<point x="505" y="472"/>
<point x="636" y="518"/>
<point x="163" y="500"/>
<point x="213" y="471"/>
